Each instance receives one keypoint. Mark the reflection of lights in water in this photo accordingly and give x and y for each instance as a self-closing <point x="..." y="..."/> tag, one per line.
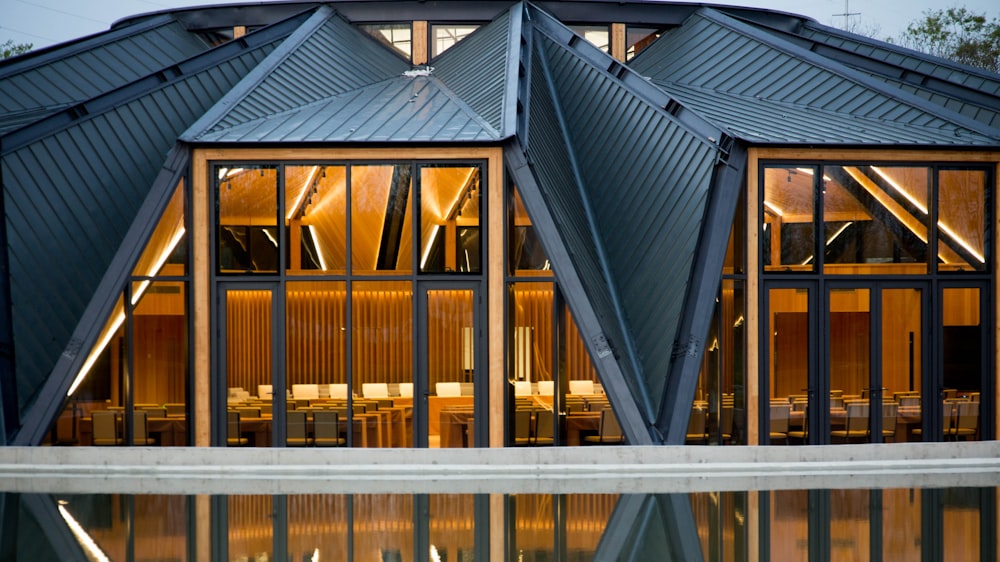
<point x="93" y="551"/>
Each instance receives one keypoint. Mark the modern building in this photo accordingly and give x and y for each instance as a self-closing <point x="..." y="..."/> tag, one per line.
<point x="488" y="224"/>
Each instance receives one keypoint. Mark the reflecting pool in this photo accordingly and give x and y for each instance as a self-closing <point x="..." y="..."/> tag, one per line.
<point x="955" y="523"/>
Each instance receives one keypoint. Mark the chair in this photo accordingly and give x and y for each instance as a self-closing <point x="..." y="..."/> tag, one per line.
<point x="544" y="428"/>
<point x="375" y="390"/>
<point x="522" y="388"/>
<point x="248" y="412"/>
<point x="140" y="435"/>
<point x="175" y="409"/>
<point x="326" y="429"/>
<point x="856" y="424"/>
<point x="696" y="432"/>
<point x="726" y="421"/>
<point x="967" y="421"/>
<point x="264" y="391"/>
<point x="296" y="435"/>
<point x="609" y="432"/>
<point x="338" y="391"/>
<point x="234" y="434"/>
<point x="305" y="391"/>
<point x="546" y="388"/>
<point x="581" y="387"/>
<point x="522" y="427"/>
<point x="890" y="412"/>
<point x="779" y="415"/>
<point x="105" y="428"/>
<point x="448" y="389"/>
<point x="801" y="435"/>
<point x="406" y="390"/>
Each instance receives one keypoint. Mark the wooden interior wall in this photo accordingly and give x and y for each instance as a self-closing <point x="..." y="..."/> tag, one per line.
<point x="316" y="333"/>
<point x="160" y="359"/>
<point x="248" y="334"/>
<point x="383" y="332"/>
<point x="450" y="312"/>
<point x="533" y="307"/>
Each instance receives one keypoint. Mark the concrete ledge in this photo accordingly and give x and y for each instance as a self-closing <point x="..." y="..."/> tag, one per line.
<point x="147" y="470"/>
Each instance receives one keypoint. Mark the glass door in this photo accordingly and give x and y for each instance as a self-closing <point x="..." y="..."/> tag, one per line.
<point x="791" y="400"/>
<point x="450" y="336"/>
<point x="247" y="364"/>
<point x="853" y="396"/>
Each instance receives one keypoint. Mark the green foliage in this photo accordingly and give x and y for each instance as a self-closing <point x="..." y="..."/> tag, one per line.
<point x="9" y="49"/>
<point x="957" y="34"/>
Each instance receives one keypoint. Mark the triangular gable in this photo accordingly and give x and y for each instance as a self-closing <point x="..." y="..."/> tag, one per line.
<point x="772" y="70"/>
<point x="482" y="70"/>
<point x="65" y="226"/>
<point x="403" y="109"/>
<point x="634" y="247"/>
<point x="326" y="57"/>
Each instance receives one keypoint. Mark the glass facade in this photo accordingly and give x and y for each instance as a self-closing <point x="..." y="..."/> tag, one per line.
<point x="870" y="337"/>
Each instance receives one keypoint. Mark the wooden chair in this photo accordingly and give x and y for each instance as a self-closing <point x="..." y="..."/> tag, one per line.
<point x="296" y="434"/>
<point x="696" y="432"/>
<point x="610" y="432"/>
<point x="234" y="434"/>
<point x="105" y="428"/>
<point x="140" y="435"/>
<point x="326" y="429"/>
<point x="966" y="421"/>
<point x="856" y="424"/>
<point x="801" y="435"/>
<point x="522" y="427"/>
<point x="726" y="421"/>
<point x="890" y="412"/>
<point x="779" y="415"/>
<point x="544" y="428"/>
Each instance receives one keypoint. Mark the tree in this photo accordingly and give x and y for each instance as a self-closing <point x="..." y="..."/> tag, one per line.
<point x="956" y="34"/>
<point x="10" y="49"/>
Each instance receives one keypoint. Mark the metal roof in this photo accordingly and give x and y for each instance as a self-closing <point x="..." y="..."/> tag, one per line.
<point x="73" y="184"/>
<point x="327" y="56"/>
<point x="403" y="109"/>
<point x="36" y="85"/>
<point x="766" y="70"/>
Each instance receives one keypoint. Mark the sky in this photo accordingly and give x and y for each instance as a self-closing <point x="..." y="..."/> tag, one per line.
<point x="47" y="22"/>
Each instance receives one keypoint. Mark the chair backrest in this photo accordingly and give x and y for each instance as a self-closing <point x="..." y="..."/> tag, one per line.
<point x="522" y="388"/>
<point x="546" y="388"/>
<point x="448" y="389"/>
<point x="248" y="412"/>
<point x="581" y="387"/>
<point x="406" y="390"/>
<point x="296" y="421"/>
<point x="610" y="429"/>
<point x="726" y="419"/>
<point x="889" y="412"/>
<point x="968" y="415"/>
<point x="337" y="391"/>
<point x="105" y="427"/>
<point x="909" y="401"/>
<point x="375" y="390"/>
<point x="544" y="427"/>
<point x="326" y="424"/>
<point x="139" y="426"/>
<point x="264" y="391"/>
<point x="305" y="391"/>
<point x="233" y="424"/>
<point x="522" y="424"/>
<point x="779" y="417"/>
<point x="857" y="416"/>
<point x="696" y="423"/>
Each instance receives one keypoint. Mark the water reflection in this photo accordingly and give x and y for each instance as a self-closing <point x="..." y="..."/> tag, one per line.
<point x="889" y="524"/>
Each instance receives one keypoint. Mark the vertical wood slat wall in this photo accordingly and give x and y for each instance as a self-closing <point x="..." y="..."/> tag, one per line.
<point x="316" y="334"/>
<point x="248" y="339"/>
<point x="449" y="313"/>
<point x="533" y="307"/>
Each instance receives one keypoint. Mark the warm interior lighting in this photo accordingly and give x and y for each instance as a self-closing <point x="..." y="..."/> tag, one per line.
<point x="522" y="353"/>
<point x="829" y="240"/>
<point x="306" y="187"/>
<point x="94" y="552"/>
<point x="962" y="242"/>
<point x="773" y="208"/>
<point x="120" y="316"/>
<point x="319" y="249"/>
<point x="906" y="195"/>
<point x="430" y="245"/>
<point x="468" y="349"/>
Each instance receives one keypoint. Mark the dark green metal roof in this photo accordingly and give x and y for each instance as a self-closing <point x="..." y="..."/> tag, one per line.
<point x="74" y="182"/>
<point x="769" y="74"/>
<point x="38" y="84"/>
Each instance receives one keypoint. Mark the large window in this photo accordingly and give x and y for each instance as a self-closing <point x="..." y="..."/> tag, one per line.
<point x="348" y="302"/>
<point x="875" y="321"/>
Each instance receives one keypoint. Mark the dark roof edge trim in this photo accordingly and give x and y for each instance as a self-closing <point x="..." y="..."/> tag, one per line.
<point x="258" y="74"/>
<point x="48" y="403"/>
<point x="508" y="124"/>
<point x="699" y="304"/>
<point x="55" y="53"/>
<point x="847" y="73"/>
<point x="635" y="82"/>
<point x="115" y="98"/>
<point x="626" y="406"/>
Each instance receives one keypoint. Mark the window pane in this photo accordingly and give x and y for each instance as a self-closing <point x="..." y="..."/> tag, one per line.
<point x="789" y="365"/>
<point x="449" y="219"/>
<point x="248" y="219"/>
<point x="962" y="356"/>
<point x="962" y="220"/>
<point x="849" y="335"/>
<point x="248" y="366"/>
<point x="316" y="218"/>
<point x="525" y="253"/>
<point x="902" y="354"/>
<point x="788" y="230"/>
<point x="451" y="352"/>
<point x="445" y="36"/>
<point x="597" y="35"/>
<point x="638" y="38"/>
<point x="875" y="219"/>
<point x="398" y="36"/>
<point x="166" y="252"/>
<point x="380" y="219"/>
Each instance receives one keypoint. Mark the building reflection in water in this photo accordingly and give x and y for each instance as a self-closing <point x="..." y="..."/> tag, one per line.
<point x="891" y="524"/>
